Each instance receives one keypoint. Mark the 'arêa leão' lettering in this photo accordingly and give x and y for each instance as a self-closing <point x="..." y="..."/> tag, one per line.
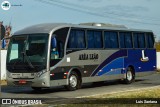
<point x="88" y="56"/>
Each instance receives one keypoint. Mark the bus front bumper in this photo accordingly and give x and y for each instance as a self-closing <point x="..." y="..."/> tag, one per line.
<point x="42" y="81"/>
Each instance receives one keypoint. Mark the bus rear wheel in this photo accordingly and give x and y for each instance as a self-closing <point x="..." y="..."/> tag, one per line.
<point x="129" y="76"/>
<point x="73" y="81"/>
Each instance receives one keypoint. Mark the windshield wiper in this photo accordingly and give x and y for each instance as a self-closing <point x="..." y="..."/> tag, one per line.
<point x="25" y="55"/>
<point x="27" y="59"/>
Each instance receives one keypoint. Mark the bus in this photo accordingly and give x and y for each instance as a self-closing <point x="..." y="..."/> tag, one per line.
<point x="69" y="55"/>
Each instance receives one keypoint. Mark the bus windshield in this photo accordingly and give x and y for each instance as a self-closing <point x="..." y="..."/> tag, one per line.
<point x="27" y="53"/>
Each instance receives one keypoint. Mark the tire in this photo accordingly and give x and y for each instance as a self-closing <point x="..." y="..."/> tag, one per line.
<point x="129" y="76"/>
<point x="74" y="82"/>
<point x="37" y="88"/>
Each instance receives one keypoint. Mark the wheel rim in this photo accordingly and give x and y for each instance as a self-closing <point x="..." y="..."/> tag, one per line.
<point x="73" y="81"/>
<point x="129" y="75"/>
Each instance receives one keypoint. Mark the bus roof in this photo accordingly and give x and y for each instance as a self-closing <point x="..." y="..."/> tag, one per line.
<point x="48" y="27"/>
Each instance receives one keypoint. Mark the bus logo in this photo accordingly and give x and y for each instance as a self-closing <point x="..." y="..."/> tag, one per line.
<point x="144" y="57"/>
<point x="5" y="5"/>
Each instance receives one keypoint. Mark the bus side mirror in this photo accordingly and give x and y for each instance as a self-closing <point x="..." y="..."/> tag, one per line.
<point x="3" y="43"/>
<point x="53" y="43"/>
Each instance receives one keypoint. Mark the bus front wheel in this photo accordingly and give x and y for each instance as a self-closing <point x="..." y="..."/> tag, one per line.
<point x="73" y="82"/>
<point x="129" y="76"/>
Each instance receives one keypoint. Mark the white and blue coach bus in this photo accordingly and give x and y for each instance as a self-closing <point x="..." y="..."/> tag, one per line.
<point x="58" y="54"/>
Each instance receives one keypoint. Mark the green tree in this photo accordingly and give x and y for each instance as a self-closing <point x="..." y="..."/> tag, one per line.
<point x="157" y="45"/>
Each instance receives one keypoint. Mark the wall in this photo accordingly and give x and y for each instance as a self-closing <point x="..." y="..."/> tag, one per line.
<point x="158" y="60"/>
<point x="3" y="63"/>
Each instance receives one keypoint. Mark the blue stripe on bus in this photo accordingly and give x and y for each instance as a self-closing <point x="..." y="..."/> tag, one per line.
<point x="118" y="54"/>
<point x="113" y="67"/>
<point x="116" y="62"/>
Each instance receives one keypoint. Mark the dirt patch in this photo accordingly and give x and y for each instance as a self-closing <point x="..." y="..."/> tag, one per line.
<point x="158" y="70"/>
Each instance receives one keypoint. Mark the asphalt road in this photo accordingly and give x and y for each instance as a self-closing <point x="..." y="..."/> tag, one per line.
<point x="87" y="89"/>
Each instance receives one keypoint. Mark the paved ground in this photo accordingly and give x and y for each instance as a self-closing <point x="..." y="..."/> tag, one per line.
<point x="87" y="89"/>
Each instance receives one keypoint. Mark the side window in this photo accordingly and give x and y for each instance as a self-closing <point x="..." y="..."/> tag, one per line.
<point x="150" y="40"/>
<point x="76" y="39"/>
<point x="139" y="40"/>
<point x="90" y="39"/>
<point x="57" y="45"/>
<point x="94" y="39"/>
<point x="111" y="39"/>
<point x="72" y="40"/>
<point x="122" y="40"/>
<point x="81" y="43"/>
<point x="126" y="40"/>
<point x="98" y="42"/>
<point x="135" y="39"/>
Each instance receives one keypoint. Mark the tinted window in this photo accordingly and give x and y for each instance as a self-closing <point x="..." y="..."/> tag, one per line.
<point x="122" y="40"/>
<point x="57" y="45"/>
<point x="80" y="35"/>
<point x="111" y="39"/>
<point x="125" y="40"/>
<point x="139" y="40"/>
<point x="94" y="39"/>
<point x="90" y="39"/>
<point x="150" y="40"/>
<point x="135" y="38"/>
<point x="71" y="40"/>
<point x="128" y="40"/>
<point x="76" y="39"/>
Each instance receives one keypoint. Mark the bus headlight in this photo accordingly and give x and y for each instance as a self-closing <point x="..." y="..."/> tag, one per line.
<point x="40" y="73"/>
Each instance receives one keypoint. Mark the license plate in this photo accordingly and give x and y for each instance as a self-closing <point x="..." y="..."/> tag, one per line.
<point x="22" y="81"/>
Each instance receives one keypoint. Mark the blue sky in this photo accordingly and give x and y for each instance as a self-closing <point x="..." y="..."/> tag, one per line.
<point x="140" y="14"/>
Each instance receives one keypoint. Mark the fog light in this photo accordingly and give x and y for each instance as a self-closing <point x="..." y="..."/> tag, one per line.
<point x="43" y="83"/>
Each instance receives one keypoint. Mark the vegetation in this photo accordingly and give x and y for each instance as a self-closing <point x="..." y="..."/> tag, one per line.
<point x="158" y="70"/>
<point x="157" y="45"/>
